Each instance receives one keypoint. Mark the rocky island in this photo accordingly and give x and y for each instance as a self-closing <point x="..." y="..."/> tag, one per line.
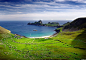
<point x="50" y="24"/>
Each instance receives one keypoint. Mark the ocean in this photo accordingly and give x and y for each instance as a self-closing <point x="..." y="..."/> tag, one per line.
<point x="21" y="28"/>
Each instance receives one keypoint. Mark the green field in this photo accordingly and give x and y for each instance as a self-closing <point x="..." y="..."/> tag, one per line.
<point x="66" y="45"/>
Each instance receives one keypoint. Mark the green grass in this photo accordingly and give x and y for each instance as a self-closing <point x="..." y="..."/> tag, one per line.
<point x="66" y="45"/>
<point x="51" y="24"/>
<point x="3" y="30"/>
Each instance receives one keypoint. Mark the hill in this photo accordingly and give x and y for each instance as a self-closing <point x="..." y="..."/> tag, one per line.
<point x="4" y="33"/>
<point x="77" y="24"/>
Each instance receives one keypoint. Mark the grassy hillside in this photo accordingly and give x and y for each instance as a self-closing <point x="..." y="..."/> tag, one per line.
<point x="66" y="46"/>
<point x="77" y="24"/>
<point x="3" y="30"/>
<point x="4" y="33"/>
<point x="65" y="24"/>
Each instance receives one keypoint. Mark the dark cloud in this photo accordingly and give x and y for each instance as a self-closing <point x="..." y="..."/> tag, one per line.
<point x="11" y="0"/>
<point x="74" y="3"/>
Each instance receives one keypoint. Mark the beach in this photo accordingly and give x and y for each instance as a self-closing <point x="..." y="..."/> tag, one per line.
<point x="40" y="37"/>
<point x="46" y="37"/>
<point x="55" y="34"/>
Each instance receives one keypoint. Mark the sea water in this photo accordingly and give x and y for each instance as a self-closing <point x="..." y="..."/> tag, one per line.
<point x="21" y="28"/>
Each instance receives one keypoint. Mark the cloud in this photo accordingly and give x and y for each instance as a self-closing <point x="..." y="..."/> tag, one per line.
<point x="41" y="6"/>
<point x="42" y="10"/>
<point x="70" y="15"/>
<point x="60" y="0"/>
<point x="79" y="1"/>
<point x="28" y="0"/>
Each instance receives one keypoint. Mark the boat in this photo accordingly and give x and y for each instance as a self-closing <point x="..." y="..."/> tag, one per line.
<point x="34" y="30"/>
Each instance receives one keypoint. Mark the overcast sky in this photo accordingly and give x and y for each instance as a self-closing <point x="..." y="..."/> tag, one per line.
<point x="42" y="9"/>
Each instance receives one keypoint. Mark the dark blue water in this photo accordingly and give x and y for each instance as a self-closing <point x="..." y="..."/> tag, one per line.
<point x="21" y="28"/>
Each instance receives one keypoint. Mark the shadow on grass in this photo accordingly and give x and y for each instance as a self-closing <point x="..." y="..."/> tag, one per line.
<point x="80" y="43"/>
<point x="80" y="40"/>
<point x="43" y="39"/>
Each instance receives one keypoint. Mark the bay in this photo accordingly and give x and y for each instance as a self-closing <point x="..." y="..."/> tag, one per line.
<point x="21" y="28"/>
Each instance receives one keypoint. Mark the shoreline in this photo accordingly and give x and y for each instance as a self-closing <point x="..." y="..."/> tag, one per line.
<point x="46" y="37"/>
<point x="40" y="37"/>
<point x="55" y="34"/>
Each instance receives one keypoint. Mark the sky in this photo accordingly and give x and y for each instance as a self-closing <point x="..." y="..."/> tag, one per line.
<point x="21" y="10"/>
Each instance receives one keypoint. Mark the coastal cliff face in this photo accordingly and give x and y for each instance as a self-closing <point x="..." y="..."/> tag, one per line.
<point x="75" y="25"/>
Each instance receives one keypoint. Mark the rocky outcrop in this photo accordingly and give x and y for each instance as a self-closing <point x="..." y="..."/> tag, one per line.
<point x="20" y="36"/>
<point x="39" y="23"/>
<point x="57" y="30"/>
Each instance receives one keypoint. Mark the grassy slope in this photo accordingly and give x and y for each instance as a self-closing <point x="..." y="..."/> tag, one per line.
<point x="75" y="25"/>
<point x="3" y="30"/>
<point x="51" y="24"/>
<point x="67" y="45"/>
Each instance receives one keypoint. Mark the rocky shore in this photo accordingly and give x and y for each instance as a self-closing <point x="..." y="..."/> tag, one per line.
<point x="55" y="34"/>
<point x="20" y="36"/>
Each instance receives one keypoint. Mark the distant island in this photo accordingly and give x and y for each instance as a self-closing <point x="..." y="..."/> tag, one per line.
<point x="50" y="24"/>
